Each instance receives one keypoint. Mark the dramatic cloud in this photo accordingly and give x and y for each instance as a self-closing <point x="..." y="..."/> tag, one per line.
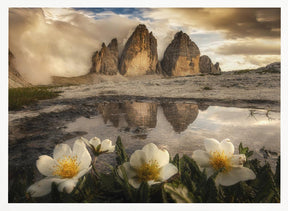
<point x="60" y="42"/>
<point x="259" y="60"/>
<point x="250" y="47"/>
<point x="233" y="22"/>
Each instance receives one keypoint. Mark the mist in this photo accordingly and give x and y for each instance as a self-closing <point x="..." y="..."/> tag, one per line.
<point x="60" y="42"/>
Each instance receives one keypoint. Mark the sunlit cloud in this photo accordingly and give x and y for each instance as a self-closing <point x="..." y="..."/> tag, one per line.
<point x="60" y="42"/>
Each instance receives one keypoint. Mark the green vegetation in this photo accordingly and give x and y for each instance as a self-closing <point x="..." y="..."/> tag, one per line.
<point x="242" y="71"/>
<point x="207" y="88"/>
<point x="190" y="185"/>
<point x="19" y="97"/>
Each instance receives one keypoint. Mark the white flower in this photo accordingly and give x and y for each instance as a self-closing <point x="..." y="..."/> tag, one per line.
<point x="219" y="156"/>
<point x="99" y="147"/>
<point x="64" y="169"/>
<point x="149" y="165"/>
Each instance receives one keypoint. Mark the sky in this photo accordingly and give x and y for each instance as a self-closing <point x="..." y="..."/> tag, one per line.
<point x="60" y="42"/>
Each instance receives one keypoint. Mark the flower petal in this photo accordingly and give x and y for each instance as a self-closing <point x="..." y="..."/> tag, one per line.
<point x="78" y="148"/>
<point x="67" y="186"/>
<point x="107" y="145"/>
<point x="129" y="171"/>
<point x="150" y="149"/>
<point x="234" y="176"/>
<point x="134" y="182"/>
<point x="83" y="172"/>
<point x="45" y="165"/>
<point x="42" y="187"/>
<point x="95" y="142"/>
<point x="201" y="158"/>
<point x="227" y="147"/>
<point x="61" y="150"/>
<point x="152" y="182"/>
<point x="154" y="154"/>
<point x="211" y="145"/>
<point x="137" y="159"/>
<point x="167" y="171"/>
<point x="209" y="171"/>
<point x="85" y="160"/>
<point x="238" y="160"/>
<point x="82" y="154"/>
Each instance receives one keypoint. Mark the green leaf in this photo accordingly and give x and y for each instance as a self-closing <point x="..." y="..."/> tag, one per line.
<point x="126" y="186"/>
<point x="178" y="193"/>
<point x="211" y="191"/>
<point x="122" y="156"/>
<point x="245" y="151"/>
<point x="176" y="161"/>
<point x="277" y="173"/>
<point x="143" y="193"/>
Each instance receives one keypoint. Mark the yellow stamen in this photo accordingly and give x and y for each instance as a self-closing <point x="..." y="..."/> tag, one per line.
<point x="67" y="167"/>
<point x="219" y="161"/>
<point x="148" y="171"/>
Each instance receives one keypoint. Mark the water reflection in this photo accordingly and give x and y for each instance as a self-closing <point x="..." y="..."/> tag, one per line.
<point x="182" y="127"/>
<point x="180" y="115"/>
<point x="139" y="114"/>
<point x="110" y="112"/>
<point x="178" y="127"/>
<point x="144" y="114"/>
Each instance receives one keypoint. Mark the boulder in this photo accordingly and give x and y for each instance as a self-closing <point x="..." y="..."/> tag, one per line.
<point x="106" y="60"/>
<point x="181" y="57"/>
<point x="139" y="56"/>
<point x="206" y="66"/>
<point x="216" y="69"/>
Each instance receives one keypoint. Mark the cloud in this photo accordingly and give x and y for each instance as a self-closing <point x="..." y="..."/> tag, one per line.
<point x="260" y="60"/>
<point x="250" y="47"/>
<point x="233" y="22"/>
<point x="48" y="42"/>
<point x="60" y="42"/>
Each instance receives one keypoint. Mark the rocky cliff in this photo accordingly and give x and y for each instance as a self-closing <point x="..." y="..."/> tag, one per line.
<point x="106" y="60"/>
<point x="139" y="56"/>
<point x="181" y="56"/>
<point x="15" y="79"/>
<point x="206" y="66"/>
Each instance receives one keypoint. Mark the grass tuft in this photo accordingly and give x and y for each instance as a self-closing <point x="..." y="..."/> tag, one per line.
<point x="19" y="97"/>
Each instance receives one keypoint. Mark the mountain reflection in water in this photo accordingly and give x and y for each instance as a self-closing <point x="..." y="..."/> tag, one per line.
<point x="180" y="115"/>
<point x="179" y="127"/>
<point x="144" y="114"/>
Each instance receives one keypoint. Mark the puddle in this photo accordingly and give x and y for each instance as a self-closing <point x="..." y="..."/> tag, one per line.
<point x="182" y="127"/>
<point x="178" y="127"/>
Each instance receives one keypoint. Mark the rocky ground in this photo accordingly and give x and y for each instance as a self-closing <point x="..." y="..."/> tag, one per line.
<point x="251" y="89"/>
<point x="39" y="127"/>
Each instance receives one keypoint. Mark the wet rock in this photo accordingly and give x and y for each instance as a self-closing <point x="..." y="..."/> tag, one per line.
<point x="181" y="57"/>
<point x="106" y="60"/>
<point x="139" y="56"/>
